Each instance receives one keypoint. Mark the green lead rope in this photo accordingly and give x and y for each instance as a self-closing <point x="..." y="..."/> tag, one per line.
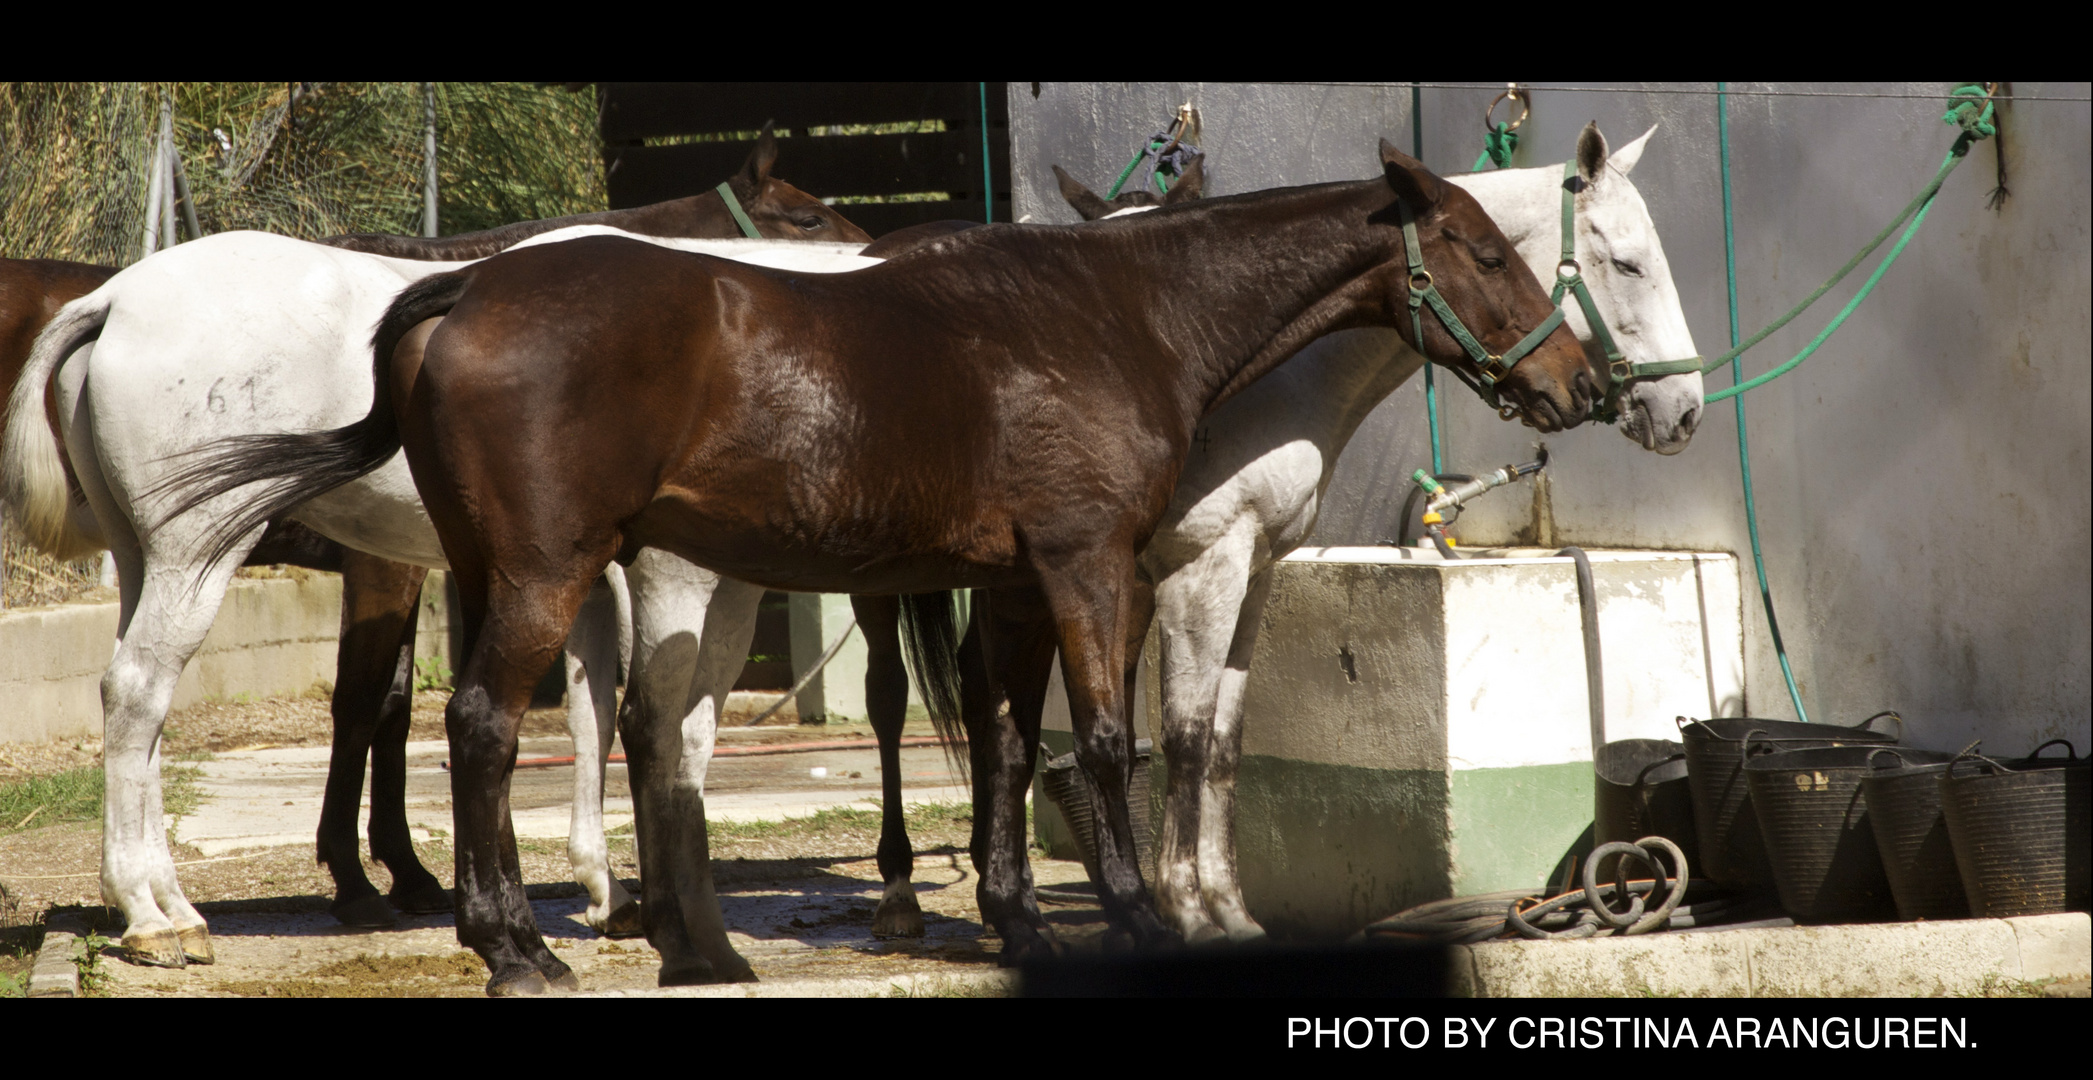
<point x="1499" y="143"/>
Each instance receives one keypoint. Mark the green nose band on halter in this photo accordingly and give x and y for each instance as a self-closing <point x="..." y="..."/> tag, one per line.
<point x="741" y="217"/>
<point x="1494" y="368"/>
<point x="1569" y="278"/>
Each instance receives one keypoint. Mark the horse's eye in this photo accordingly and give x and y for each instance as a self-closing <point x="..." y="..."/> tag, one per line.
<point x="1627" y="268"/>
<point x="1492" y="264"/>
<point x="811" y="223"/>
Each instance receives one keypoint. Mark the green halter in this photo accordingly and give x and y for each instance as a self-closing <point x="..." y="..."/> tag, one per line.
<point x="741" y="217"/>
<point x="1569" y="277"/>
<point x="1493" y="368"/>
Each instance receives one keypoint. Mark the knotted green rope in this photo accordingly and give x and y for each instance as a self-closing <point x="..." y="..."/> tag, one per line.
<point x="1499" y="143"/>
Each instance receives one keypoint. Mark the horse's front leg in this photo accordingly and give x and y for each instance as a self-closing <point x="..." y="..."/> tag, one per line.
<point x="592" y="665"/>
<point x="1008" y="650"/>
<point x="691" y="634"/>
<point x="1197" y="612"/>
<point x="1219" y="883"/>
<point x="1094" y="601"/>
<point x="886" y="704"/>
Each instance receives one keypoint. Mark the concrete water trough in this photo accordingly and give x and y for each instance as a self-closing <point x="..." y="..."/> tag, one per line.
<point x="1416" y="729"/>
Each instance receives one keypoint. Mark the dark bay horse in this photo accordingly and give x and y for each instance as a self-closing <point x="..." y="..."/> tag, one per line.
<point x="373" y="688"/>
<point x="1004" y="408"/>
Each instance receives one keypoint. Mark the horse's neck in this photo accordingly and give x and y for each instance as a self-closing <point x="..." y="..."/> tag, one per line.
<point x="1269" y="273"/>
<point x="1337" y="380"/>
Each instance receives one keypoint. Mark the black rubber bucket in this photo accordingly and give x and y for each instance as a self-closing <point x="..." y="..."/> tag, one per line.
<point x="1641" y="790"/>
<point x="2021" y="831"/>
<point x="1903" y="793"/>
<point x="1730" y="849"/>
<point x="1070" y="788"/>
<point x="1819" y="842"/>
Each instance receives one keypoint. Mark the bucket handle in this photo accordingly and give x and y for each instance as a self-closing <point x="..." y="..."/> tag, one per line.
<point x="1891" y="751"/>
<point x="2066" y="743"/>
<point x="1969" y="753"/>
<point x="1892" y="714"/>
<point x="1642" y="778"/>
<point x="1744" y="753"/>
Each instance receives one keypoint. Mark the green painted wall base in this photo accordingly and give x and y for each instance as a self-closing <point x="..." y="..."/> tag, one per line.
<point x="1325" y="849"/>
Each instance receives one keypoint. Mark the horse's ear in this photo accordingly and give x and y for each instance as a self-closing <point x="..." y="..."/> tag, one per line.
<point x="1591" y="152"/>
<point x="757" y="169"/>
<point x="1190" y="183"/>
<point x="1083" y="199"/>
<point x="1420" y="187"/>
<point x="1624" y="159"/>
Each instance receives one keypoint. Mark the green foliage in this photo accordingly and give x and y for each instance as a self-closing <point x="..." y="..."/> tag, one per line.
<point x="87" y="959"/>
<point x="303" y="159"/>
<point x="10" y="988"/>
<point x="431" y="673"/>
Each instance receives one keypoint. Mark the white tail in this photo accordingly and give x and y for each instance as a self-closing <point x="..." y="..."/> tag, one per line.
<point x="32" y="467"/>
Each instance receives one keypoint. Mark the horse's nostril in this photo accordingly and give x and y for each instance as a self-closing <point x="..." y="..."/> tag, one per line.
<point x="1690" y="421"/>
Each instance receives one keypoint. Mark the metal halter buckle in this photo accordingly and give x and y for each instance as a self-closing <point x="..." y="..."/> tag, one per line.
<point x="1621" y="369"/>
<point x="1425" y="276"/>
<point x="1493" y="369"/>
<point x="1574" y="270"/>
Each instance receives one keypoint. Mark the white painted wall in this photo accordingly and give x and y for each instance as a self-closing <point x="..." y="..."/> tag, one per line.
<point x="1923" y="482"/>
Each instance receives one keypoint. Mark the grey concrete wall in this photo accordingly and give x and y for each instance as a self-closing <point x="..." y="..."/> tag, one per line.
<point x="272" y="637"/>
<point x="1922" y="482"/>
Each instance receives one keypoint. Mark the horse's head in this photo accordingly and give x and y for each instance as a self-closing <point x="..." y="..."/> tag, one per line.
<point x="1091" y="207"/>
<point x="1623" y="262"/>
<point x="1491" y="292"/>
<point x="783" y="212"/>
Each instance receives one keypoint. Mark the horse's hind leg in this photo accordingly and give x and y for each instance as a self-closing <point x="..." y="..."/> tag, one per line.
<point x="520" y="616"/>
<point x="172" y="615"/>
<point x="592" y="664"/>
<point x="372" y="706"/>
<point x="691" y="633"/>
<point x="886" y="703"/>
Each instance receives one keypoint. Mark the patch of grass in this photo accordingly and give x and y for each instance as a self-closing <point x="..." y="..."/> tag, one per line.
<point x="73" y="795"/>
<point x="76" y="795"/>
<point x="1995" y="985"/>
<point x="943" y="987"/>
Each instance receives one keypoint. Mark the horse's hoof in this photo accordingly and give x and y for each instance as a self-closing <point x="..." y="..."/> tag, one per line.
<point x="1020" y="946"/>
<point x="566" y="981"/>
<point x="528" y="984"/>
<point x="367" y="912"/>
<point x="155" y="948"/>
<point x="196" y="944"/>
<point x="428" y="898"/>
<point x="1252" y="934"/>
<point x="898" y="916"/>
<point x="1117" y="941"/>
<point x="625" y="922"/>
<point x="697" y="972"/>
<point x="1206" y="934"/>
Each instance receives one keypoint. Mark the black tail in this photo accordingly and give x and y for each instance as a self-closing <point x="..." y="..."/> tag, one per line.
<point x="302" y="467"/>
<point x="930" y="633"/>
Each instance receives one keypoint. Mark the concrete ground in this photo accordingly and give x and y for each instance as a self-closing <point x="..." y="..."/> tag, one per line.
<point x="271" y="798"/>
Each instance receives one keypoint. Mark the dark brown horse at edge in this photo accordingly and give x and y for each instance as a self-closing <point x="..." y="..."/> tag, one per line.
<point x="1004" y="409"/>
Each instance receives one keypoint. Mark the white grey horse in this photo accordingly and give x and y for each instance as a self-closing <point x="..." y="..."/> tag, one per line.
<point x="235" y="334"/>
<point x="1248" y="498"/>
